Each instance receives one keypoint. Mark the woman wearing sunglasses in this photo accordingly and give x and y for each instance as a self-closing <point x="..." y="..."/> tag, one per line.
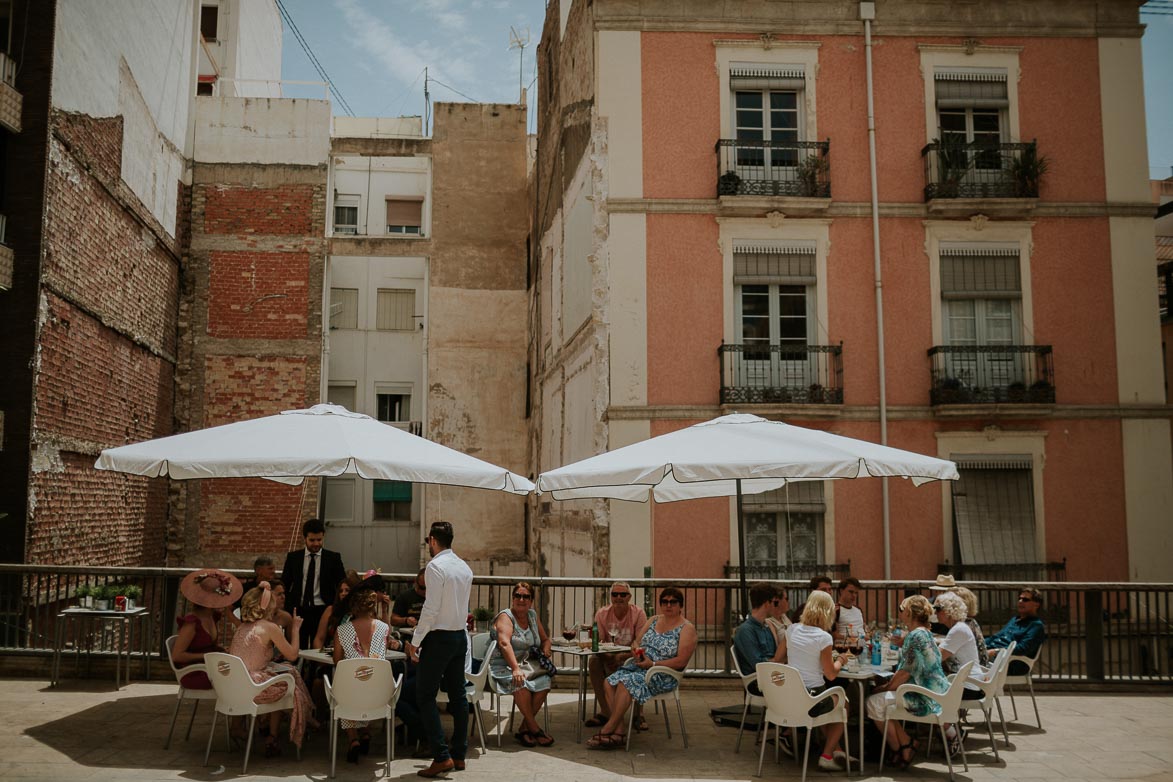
<point x="518" y="629"/>
<point x="667" y="639"/>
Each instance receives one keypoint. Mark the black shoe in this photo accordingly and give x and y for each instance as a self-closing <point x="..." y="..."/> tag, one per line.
<point x="352" y="753"/>
<point x="364" y="745"/>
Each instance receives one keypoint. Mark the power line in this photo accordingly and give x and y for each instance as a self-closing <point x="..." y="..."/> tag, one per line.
<point x="313" y="60"/>
<point x="399" y="98"/>
<point x="434" y="80"/>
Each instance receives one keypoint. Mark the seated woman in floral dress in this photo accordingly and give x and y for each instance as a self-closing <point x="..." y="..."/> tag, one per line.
<point x="667" y="639"/>
<point x="920" y="663"/>
<point x="253" y="643"/>
<point x="207" y="591"/>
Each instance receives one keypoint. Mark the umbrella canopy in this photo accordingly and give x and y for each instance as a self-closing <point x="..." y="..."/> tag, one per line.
<point x="325" y="440"/>
<point x="732" y="455"/>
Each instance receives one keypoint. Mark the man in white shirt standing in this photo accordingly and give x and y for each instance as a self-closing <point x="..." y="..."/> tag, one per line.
<point x="439" y="646"/>
<point x="849" y="622"/>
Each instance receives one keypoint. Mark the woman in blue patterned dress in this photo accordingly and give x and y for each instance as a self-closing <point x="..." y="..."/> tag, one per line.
<point x="920" y="663"/>
<point x="667" y="639"/>
<point x="518" y="630"/>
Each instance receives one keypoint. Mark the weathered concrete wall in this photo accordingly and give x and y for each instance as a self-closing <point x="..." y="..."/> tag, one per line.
<point x="267" y="131"/>
<point x="477" y="316"/>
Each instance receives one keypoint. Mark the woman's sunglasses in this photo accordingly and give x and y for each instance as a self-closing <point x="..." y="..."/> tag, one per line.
<point x="669" y="601"/>
<point x="522" y="596"/>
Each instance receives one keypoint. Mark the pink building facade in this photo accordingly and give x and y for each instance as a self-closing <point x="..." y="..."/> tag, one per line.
<point x="704" y="242"/>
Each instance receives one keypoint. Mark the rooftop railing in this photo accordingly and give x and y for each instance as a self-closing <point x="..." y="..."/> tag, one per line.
<point x="1097" y="632"/>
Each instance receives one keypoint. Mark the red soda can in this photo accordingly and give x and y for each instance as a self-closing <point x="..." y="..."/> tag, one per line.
<point x="470" y="623"/>
<point x="120" y="603"/>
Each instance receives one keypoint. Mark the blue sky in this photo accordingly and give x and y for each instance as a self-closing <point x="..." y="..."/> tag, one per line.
<point x="376" y="51"/>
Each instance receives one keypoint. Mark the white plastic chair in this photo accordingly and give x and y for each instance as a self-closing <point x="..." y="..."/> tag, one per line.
<point x="747" y="697"/>
<point x="235" y="691"/>
<point x="193" y="695"/>
<point x="991" y="686"/>
<point x="788" y="705"/>
<point x="950" y="703"/>
<point x="1024" y="678"/>
<point x="474" y="688"/>
<point x="671" y="695"/>
<point x="363" y="690"/>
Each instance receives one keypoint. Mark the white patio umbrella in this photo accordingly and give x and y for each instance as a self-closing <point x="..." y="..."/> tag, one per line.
<point x="734" y="455"/>
<point x="325" y="440"/>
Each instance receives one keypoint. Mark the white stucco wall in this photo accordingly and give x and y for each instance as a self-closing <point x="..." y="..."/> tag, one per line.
<point x="118" y="58"/>
<point x="374" y="179"/>
<point x="258" y="53"/>
<point x="262" y="130"/>
<point x="378" y="127"/>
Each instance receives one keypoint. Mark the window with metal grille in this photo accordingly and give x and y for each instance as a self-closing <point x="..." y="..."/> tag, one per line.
<point x="981" y="289"/>
<point x="971" y="109"/>
<point x="785" y="526"/>
<point x="395" y="309"/>
<point x="344" y="308"/>
<point x="994" y="510"/>
<point x="766" y="108"/>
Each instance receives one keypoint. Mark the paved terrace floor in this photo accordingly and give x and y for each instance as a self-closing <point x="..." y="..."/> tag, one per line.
<point x="86" y="730"/>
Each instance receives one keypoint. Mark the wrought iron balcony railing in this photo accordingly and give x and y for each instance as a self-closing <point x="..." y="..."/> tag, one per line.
<point x="802" y="570"/>
<point x="774" y="168"/>
<point x="992" y="374"/>
<point x="781" y="374"/>
<point x="982" y="170"/>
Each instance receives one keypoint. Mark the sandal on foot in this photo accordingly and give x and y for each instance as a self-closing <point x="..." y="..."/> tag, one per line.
<point x="596" y="721"/>
<point x="641" y="725"/>
<point x="605" y="741"/>
<point x="525" y="738"/>
<point x="543" y="739"/>
<point x="352" y="753"/>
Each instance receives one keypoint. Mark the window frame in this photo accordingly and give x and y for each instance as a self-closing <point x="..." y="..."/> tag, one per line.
<point x="357" y="309"/>
<point x="934" y="57"/>
<point x="347" y="201"/>
<point x="733" y="54"/>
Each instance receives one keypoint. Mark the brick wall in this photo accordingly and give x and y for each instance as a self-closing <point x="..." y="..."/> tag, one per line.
<point x="258" y="295"/>
<point x="253" y="210"/>
<point x="93" y="517"/>
<point x="104" y="357"/>
<point x="250" y="345"/>
<point x="95" y="385"/>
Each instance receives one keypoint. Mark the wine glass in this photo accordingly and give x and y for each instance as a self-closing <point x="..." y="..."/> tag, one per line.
<point x="612" y="631"/>
<point x="623" y="636"/>
<point x="569" y="632"/>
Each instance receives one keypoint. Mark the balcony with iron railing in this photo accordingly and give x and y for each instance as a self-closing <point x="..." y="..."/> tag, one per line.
<point x="791" y="169"/>
<point x="992" y="374"/>
<point x="781" y="374"/>
<point x="1004" y="176"/>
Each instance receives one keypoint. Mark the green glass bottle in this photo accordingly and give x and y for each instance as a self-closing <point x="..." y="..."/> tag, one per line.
<point x="595" y="637"/>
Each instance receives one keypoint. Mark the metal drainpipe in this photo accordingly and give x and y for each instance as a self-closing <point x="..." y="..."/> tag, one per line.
<point x="867" y="12"/>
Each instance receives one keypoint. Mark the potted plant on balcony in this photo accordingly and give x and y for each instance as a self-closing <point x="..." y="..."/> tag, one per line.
<point x="482" y="616"/>
<point x="104" y="596"/>
<point x="1042" y="391"/>
<point x="1016" y="392"/>
<point x="812" y="176"/>
<point x="953" y="391"/>
<point x="952" y="166"/>
<point x="1027" y="170"/>
<point x="85" y="595"/>
<point x="728" y="183"/>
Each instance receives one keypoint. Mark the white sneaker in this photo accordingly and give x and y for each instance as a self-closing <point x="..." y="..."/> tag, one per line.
<point x="829" y="764"/>
<point x="841" y="757"/>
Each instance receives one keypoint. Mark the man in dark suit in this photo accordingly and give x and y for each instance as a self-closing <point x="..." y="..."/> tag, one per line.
<point x="311" y="575"/>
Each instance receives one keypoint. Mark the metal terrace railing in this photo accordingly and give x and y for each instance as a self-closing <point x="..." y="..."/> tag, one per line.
<point x="1097" y="632"/>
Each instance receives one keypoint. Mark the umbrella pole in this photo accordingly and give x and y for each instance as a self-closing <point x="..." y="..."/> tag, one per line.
<point x="741" y="550"/>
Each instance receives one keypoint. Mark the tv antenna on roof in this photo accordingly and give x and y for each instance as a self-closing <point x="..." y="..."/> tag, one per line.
<point x="519" y="40"/>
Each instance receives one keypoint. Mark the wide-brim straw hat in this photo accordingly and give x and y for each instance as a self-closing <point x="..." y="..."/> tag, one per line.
<point x="211" y="588"/>
<point x="944" y="583"/>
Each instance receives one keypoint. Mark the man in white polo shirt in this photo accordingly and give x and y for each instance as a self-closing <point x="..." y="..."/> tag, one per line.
<point x="439" y="646"/>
